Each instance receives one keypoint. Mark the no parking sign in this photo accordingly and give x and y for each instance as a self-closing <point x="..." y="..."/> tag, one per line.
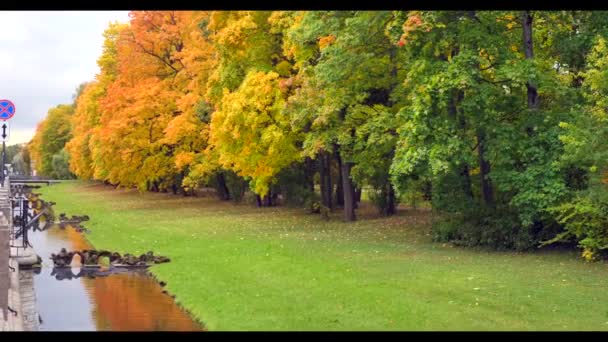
<point x="7" y="109"/>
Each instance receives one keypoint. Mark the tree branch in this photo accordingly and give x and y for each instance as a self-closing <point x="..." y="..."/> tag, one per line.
<point x="146" y="51"/>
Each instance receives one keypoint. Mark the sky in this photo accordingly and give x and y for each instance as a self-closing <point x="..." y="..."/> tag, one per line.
<point x="44" y="56"/>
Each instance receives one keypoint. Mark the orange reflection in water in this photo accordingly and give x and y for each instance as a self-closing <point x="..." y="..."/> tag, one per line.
<point x="76" y="239"/>
<point x="131" y="301"/>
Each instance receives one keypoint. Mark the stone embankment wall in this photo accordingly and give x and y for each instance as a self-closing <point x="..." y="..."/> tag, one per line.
<point x="11" y="284"/>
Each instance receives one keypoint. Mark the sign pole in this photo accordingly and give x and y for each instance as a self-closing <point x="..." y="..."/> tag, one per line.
<point x="2" y="176"/>
<point x="3" y="154"/>
<point x="7" y="111"/>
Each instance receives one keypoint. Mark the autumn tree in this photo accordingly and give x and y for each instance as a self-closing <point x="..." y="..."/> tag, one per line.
<point x="145" y="137"/>
<point x="249" y="129"/>
<point x="84" y="147"/>
<point x="251" y="132"/>
<point x="49" y="140"/>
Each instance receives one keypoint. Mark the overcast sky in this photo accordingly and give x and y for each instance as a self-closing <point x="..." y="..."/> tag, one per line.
<point x="44" y="56"/>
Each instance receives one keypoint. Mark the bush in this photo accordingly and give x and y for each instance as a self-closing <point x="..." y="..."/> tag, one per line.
<point x="379" y="198"/>
<point x="236" y="185"/>
<point x="313" y="203"/>
<point x="418" y="193"/>
<point x="447" y="193"/>
<point x="249" y="197"/>
<point x="586" y="219"/>
<point x="497" y="229"/>
<point x="291" y="184"/>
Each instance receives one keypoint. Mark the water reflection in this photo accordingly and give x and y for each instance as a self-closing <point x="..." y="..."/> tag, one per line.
<point x="124" y="303"/>
<point x="99" y="299"/>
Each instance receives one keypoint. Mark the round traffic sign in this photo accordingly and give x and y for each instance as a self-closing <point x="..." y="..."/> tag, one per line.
<point x="7" y="109"/>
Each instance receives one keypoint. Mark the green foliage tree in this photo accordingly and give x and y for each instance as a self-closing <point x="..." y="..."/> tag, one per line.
<point x="61" y="166"/>
<point x="585" y="214"/>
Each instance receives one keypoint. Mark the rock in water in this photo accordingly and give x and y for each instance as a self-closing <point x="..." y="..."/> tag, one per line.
<point x="161" y="259"/>
<point x="91" y="257"/>
<point x="76" y="260"/>
<point x="130" y="259"/>
<point x="115" y="258"/>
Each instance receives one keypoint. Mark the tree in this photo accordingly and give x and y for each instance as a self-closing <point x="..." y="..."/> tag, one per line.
<point x="60" y="162"/>
<point x="249" y="50"/>
<point x="50" y="138"/>
<point x="18" y="156"/>
<point x="349" y="56"/>
<point x="585" y="213"/>
<point x="84" y="147"/>
<point x="468" y="74"/>
<point x="252" y="133"/>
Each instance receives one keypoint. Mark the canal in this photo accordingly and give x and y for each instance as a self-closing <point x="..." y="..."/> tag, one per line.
<point x="71" y="299"/>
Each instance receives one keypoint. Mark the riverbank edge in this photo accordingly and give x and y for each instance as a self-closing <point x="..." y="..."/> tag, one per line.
<point x="163" y="284"/>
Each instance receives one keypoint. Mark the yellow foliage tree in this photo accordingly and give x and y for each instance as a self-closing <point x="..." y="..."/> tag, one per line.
<point x="252" y="132"/>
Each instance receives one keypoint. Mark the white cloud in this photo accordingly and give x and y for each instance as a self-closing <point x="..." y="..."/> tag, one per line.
<point x="19" y="136"/>
<point x="44" y="56"/>
<point x="13" y="29"/>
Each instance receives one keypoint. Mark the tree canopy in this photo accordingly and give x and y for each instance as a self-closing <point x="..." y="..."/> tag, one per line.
<point x="496" y="117"/>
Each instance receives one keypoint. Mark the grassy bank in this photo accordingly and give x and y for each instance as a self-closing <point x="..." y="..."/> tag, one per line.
<point x="236" y="267"/>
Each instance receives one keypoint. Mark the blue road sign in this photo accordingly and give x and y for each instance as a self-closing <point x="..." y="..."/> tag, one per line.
<point x="7" y="109"/>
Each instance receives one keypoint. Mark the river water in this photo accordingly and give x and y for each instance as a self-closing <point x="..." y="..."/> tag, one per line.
<point x="127" y="301"/>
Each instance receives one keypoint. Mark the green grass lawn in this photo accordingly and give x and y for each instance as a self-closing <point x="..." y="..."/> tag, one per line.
<point x="237" y="267"/>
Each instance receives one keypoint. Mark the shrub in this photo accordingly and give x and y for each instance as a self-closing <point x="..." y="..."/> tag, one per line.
<point x="586" y="219"/>
<point x="290" y="185"/>
<point x="236" y="185"/>
<point x="379" y="199"/>
<point x="313" y="203"/>
<point x="498" y="229"/>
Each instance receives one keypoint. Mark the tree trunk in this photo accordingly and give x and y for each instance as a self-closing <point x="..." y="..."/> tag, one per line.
<point x="222" y="189"/>
<point x="268" y="200"/>
<point x="325" y="178"/>
<point x="527" y="20"/>
<point x="309" y="165"/>
<point x="179" y="182"/>
<point x="349" y="192"/>
<point x="390" y="200"/>
<point x="339" y="185"/>
<point x="329" y="184"/>
<point x="487" y="192"/>
<point x="466" y="181"/>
